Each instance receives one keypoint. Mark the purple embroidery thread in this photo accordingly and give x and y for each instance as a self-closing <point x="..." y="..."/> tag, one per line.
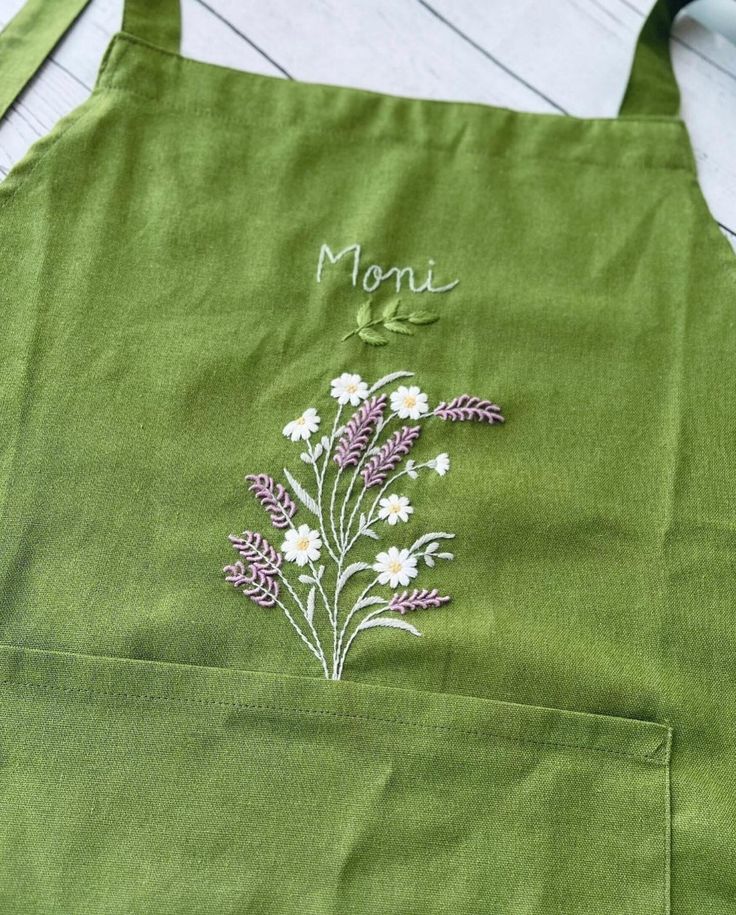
<point x="273" y="497"/>
<point x="466" y="407"/>
<point x="258" y="551"/>
<point x="418" y="600"/>
<point x="358" y="432"/>
<point x="381" y="464"/>
<point x="260" y="572"/>
<point x="257" y="584"/>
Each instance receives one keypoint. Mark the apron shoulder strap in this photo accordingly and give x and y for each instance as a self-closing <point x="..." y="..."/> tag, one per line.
<point x="156" y="21"/>
<point x="652" y="88"/>
<point x="28" y="39"/>
<point x="33" y="33"/>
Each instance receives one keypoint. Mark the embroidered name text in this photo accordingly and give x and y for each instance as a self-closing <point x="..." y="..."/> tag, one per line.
<point x="375" y="275"/>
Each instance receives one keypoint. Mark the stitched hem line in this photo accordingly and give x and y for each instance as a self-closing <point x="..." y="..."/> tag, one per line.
<point x="526" y="115"/>
<point x="108" y="81"/>
<point x="392" y="139"/>
<point x="318" y="713"/>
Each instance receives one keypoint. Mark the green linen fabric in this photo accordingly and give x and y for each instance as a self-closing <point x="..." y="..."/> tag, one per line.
<point x="27" y="40"/>
<point x="560" y="737"/>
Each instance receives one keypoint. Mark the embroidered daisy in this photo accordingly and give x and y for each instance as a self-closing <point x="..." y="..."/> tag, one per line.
<point x="349" y="389"/>
<point x="441" y="463"/>
<point x="409" y="403"/>
<point x="394" y="509"/>
<point x="303" y="426"/>
<point x="395" y="567"/>
<point x="301" y="545"/>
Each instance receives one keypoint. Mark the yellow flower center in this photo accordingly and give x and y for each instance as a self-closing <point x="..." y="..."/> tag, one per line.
<point x="395" y="567"/>
<point x="410" y="401"/>
<point x="394" y="508"/>
<point x="352" y="388"/>
<point x="302" y="543"/>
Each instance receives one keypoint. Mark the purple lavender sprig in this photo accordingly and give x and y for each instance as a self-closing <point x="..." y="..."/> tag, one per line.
<point x="466" y="407"/>
<point x="256" y="584"/>
<point x="358" y="432"/>
<point x="389" y="456"/>
<point x="255" y="549"/>
<point x="419" y="599"/>
<point x="273" y="497"/>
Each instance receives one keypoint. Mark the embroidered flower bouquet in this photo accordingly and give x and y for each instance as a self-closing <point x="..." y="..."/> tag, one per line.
<point x="352" y="496"/>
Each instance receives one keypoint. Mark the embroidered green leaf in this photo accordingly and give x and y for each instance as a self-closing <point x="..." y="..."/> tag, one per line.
<point x="423" y="317"/>
<point x="390" y="310"/>
<point x="364" y="314"/>
<point x="368" y="335"/>
<point x="398" y="327"/>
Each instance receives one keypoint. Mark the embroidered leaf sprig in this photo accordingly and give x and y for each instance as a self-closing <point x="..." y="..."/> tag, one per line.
<point x="392" y="319"/>
<point x="357" y="470"/>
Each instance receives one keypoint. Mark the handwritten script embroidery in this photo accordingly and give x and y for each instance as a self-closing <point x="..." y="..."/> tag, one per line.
<point x="356" y="468"/>
<point x="375" y="275"/>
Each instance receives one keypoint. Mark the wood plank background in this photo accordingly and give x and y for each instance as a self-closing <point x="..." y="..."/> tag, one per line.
<point x="570" y="56"/>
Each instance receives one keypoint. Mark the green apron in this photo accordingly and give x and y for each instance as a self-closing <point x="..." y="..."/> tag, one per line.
<point x="367" y="513"/>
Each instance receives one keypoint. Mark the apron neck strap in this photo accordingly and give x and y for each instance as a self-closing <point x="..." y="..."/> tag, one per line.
<point x="28" y="39"/>
<point x="156" y="21"/>
<point x="652" y="88"/>
<point x="37" y="28"/>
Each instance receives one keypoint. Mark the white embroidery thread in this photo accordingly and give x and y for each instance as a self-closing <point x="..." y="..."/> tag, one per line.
<point x="375" y="275"/>
<point x="344" y="512"/>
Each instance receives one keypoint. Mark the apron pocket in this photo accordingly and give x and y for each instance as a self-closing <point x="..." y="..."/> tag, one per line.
<point x="143" y="787"/>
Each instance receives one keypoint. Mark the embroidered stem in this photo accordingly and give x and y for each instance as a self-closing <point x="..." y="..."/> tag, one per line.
<point x="356" y="508"/>
<point x="370" y="518"/>
<point x="340" y="546"/>
<point x="374" y="323"/>
<point x="354" y="609"/>
<point x="319" y="651"/>
<point x="318" y="581"/>
<point x="320" y="508"/>
<point x="370" y="616"/>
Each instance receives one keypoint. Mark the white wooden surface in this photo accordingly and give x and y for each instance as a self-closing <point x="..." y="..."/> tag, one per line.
<point x="568" y="56"/>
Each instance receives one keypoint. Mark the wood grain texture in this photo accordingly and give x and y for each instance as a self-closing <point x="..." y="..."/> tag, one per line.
<point x="571" y="56"/>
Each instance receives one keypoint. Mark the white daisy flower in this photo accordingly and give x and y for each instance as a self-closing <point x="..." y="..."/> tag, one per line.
<point x="441" y="463"/>
<point x="301" y="545"/>
<point x="409" y="403"/>
<point x="302" y="427"/>
<point x="394" y="509"/>
<point x="395" y="567"/>
<point x="349" y="389"/>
